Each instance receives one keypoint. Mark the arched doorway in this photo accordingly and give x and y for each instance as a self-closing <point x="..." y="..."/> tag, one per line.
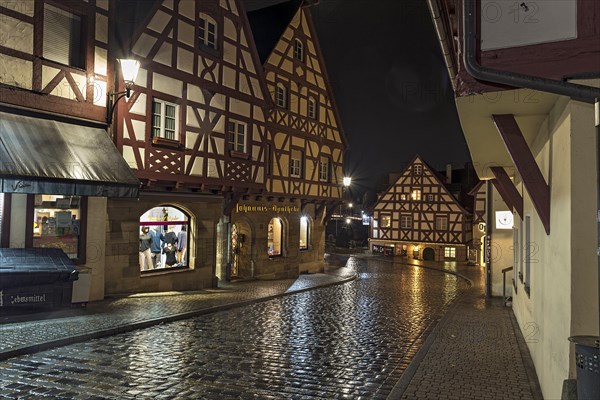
<point x="428" y="254"/>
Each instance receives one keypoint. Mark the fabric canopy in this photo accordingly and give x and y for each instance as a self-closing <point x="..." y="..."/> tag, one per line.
<point x="50" y="157"/>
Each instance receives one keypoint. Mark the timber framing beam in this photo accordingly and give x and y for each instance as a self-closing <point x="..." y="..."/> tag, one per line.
<point x="507" y="190"/>
<point x="532" y="177"/>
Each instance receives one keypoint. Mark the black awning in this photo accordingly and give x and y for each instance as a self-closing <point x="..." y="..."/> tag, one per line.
<point x="30" y="267"/>
<point x="50" y="157"/>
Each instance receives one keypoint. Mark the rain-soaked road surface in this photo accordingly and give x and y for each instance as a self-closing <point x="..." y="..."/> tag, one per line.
<point x="346" y="341"/>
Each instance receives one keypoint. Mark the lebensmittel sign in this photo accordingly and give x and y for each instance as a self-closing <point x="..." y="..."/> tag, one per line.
<point x="23" y="299"/>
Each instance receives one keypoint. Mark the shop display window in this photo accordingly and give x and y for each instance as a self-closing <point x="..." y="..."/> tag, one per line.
<point x="164" y="238"/>
<point x="304" y="232"/>
<point x="57" y="223"/>
<point x="274" y="237"/>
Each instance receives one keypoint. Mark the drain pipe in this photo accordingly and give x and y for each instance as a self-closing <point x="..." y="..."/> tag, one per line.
<point x="447" y="51"/>
<point x="586" y="94"/>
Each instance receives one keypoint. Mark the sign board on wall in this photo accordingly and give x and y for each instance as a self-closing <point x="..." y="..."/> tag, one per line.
<point x="504" y="220"/>
<point x="510" y="23"/>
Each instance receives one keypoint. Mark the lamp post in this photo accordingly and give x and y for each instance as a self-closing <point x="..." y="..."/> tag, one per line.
<point x="129" y="70"/>
<point x="346" y="181"/>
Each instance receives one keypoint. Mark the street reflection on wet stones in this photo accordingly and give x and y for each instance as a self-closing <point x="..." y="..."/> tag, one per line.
<point x="346" y="341"/>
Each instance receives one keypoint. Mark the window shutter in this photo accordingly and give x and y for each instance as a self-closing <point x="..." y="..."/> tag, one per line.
<point x="62" y="37"/>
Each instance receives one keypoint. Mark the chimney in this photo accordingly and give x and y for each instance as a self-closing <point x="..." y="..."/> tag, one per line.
<point x="448" y="174"/>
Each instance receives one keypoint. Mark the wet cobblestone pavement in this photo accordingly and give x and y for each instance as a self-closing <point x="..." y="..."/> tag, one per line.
<point x="346" y="341"/>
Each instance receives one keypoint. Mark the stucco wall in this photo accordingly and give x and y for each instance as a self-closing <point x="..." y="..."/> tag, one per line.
<point x="501" y="248"/>
<point x="563" y="297"/>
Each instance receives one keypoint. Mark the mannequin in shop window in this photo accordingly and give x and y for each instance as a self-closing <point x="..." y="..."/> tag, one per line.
<point x="169" y="251"/>
<point x="181" y="244"/>
<point x="155" y="247"/>
<point x="145" y="252"/>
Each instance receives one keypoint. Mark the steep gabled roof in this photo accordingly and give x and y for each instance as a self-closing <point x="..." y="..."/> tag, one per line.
<point x="269" y="23"/>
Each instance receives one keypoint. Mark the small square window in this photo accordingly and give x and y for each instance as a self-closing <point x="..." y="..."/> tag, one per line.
<point x="405" y="222"/>
<point x="385" y="221"/>
<point x="417" y="169"/>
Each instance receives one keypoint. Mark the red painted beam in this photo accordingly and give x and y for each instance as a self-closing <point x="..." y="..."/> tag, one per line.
<point x="507" y="190"/>
<point x="521" y="156"/>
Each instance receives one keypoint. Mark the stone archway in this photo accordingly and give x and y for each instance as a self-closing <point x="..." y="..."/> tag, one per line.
<point x="428" y="254"/>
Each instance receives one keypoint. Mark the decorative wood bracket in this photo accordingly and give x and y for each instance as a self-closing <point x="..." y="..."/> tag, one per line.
<point x="519" y="151"/>
<point x="507" y="190"/>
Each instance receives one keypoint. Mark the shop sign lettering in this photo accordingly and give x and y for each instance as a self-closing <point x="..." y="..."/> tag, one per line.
<point x="244" y="208"/>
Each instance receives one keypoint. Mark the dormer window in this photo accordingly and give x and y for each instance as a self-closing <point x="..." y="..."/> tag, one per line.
<point x="298" y="50"/>
<point x="281" y="96"/>
<point x="207" y="31"/>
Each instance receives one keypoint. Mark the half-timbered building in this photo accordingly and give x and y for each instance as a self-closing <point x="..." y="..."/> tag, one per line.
<point x="417" y="217"/>
<point x="194" y="132"/>
<point x="525" y="98"/>
<point x="282" y="232"/>
<point x="58" y="165"/>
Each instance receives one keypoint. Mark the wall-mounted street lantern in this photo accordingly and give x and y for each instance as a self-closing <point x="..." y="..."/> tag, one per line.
<point x="129" y="70"/>
<point x="347" y="180"/>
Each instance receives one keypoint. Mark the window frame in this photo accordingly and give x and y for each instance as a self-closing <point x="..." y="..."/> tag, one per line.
<point x="187" y="223"/>
<point x="272" y="238"/>
<point x="281" y="95"/>
<point x="308" y="233"/>
<point x="234" y="146"/>
<point x="388" y="217"/>
<point x="417" y="169"/>
<point x="163" y="116"/>
<point x="441" y="223"/>
<point x="82" y="241"/>
<point x="430" y="197"/>
<point x="296" y="170"/>
<point x="324" y="167"/>
<point x="298" y="50"/>
<point x="203" y="41"/>
<point x="449" y="252"/>
<point x="82" y="35"/>
<point x="311" y="111"/>
<point x="406" y="221"/>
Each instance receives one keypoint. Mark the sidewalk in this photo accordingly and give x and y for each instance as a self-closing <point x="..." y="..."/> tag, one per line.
<point x="26" y="334"/>
<point x="475" y="352"/>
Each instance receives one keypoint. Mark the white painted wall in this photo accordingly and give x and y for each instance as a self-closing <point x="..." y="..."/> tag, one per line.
<point x="502" y="253"/>
<point x="563" y="300"/>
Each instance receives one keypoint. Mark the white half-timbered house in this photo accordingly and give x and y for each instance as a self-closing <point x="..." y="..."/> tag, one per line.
<point x="58" y="164"/>
<point x="419" y="218"/>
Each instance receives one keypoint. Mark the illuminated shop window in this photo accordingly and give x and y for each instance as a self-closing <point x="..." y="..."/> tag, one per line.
<point x="450" y="252"/>
<point x="305" y="226"/>
<point x="164" y="238"/>
<point x="275" y="237"/>
<point x="57" y="222"/>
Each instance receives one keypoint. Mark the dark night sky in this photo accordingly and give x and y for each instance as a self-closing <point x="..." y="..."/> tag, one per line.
<point x="390" y="85"/>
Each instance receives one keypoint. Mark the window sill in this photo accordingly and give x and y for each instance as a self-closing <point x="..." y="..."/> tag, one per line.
<point x="164" y="271"/>
<point x="237" y="154"/>
<point x="172" y="144"/>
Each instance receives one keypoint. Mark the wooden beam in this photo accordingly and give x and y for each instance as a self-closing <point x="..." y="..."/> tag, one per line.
<point x="519" y="151"/>
<point x="507" y="190"/>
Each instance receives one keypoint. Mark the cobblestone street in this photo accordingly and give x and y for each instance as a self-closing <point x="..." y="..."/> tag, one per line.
<point x="347" y="341"/>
